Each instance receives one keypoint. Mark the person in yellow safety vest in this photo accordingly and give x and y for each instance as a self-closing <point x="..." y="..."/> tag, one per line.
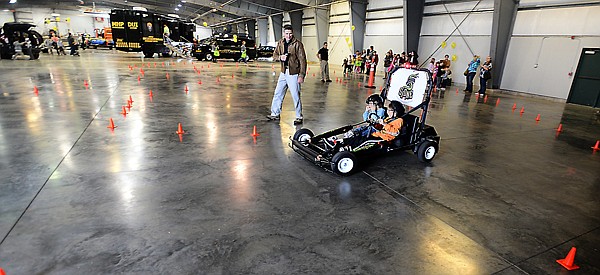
<point x="244" y="56"/>
<point x="166" y="31"/>
<point x="215" y="53"/>
<point x="358" y="62"/>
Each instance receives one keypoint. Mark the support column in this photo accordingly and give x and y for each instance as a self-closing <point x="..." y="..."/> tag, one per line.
<point x="505" y="13"/>
<point x="241" y="28"/>
<point x="296" y="21"/>
<point x="263" y="33"/>
<point x="413" y="19"/>
<point x="358" y="14"/>
<point x="277" y="26"/>
<point x="251" y="28"/>
<point x="322" y="24"/>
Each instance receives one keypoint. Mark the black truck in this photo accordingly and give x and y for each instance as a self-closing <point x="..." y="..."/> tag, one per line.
<point x="230" y="47"/>
<point x="24" y="34"/>
<point x="141" y="31"/>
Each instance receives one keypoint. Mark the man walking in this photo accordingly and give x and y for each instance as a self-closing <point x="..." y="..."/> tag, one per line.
<point x="323" y="56"/>
<point x="290" y="52"/>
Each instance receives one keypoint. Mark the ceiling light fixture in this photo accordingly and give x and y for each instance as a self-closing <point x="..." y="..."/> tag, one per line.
<point x="176" y="9"/>
<point x="179" y="5"/>
<point x="12" y="1"/>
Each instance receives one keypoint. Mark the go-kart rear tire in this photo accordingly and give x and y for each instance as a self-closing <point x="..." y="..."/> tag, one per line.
<point x="303" y="135"/>
<point x="208" y="57"/>
<point x="427" y="150"/>
<point x="343" y="163"/>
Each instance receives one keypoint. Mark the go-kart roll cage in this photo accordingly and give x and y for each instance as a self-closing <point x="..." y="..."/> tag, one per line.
<point x="423" y="105"/>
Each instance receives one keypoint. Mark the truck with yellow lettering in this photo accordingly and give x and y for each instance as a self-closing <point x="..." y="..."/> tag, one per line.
<point x="142" y="31"/>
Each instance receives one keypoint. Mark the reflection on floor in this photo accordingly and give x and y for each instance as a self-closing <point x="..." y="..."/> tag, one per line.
<point x="506" y="193"/>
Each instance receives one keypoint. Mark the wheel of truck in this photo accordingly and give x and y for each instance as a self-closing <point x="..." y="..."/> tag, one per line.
<point x="208" y="57"/>
<point x="148" y="54"/>
<point x="166" y="54"/>
<point x="35" y="55"/>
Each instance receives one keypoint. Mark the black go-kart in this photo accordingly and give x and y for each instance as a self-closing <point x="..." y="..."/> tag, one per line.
<point x="412" y="88"/>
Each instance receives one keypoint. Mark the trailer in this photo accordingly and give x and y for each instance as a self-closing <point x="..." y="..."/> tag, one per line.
<point x="142" y="31"/>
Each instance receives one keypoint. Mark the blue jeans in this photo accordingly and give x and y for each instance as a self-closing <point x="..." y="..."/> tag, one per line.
<point x="470" y="77"/>
<point x="482" y="85"/>
<point x="286" y="81"/>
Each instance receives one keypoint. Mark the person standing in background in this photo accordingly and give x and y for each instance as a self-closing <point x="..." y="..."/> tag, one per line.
<point x="470" y="73"/>
<point x="290" y="51"/>
<point x="323" y="56"/>
<point x="485" y="74"/>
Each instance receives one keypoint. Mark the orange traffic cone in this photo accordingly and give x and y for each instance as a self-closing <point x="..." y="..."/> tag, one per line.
<point x="180" y="130"/>
<point x="154" y="64"/>
<point x="85" y="83"/>
<point x="186" y="89"/>
<point x="167" y="76"/>
<point x="124" y="112"/>
<point x="568" y="261"/>
<point x="199" y="81"/>
<point x="456" y="90"/>
<point x="151" y="94"/>
<point x="497" y="101"/>
<point x="559" y="129"/>
<point x="35" y="90"/>
<point x="514" y="107"/>
<point x="130" y="99"/>
<point x="139" y="78"/>
<point x="129" y="105"/>
<point x="537" y="119"/>
<point x="522" y="110"/>
<point x="254" y="132"/>
<point x="111" y="124"/>
<point x="163" y="64"/>
<point x="597" y="146"/>
<point x="371" y="78"/>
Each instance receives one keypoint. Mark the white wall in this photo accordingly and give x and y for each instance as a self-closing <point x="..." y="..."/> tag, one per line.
<point x="80" y="22"/>
<point x="309" y="34"/>
<point x="339" y="39"/>
<point x="542" y="53"/>
<point x="384" y="27"/>
<point x="476" y="34"/>
<point x="6" y="16"/>
<point x="203" y="32"/>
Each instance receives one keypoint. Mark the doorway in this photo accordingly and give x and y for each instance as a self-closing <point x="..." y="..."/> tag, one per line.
<point x="585" y="89"/>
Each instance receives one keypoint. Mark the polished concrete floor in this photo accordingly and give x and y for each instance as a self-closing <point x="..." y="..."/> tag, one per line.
<point x="505" y="194"/>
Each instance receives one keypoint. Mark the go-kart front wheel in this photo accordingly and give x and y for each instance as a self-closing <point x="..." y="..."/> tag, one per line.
<point x="303" y="135"/>
<point x="427" y="150"/>
<point x="343" y="163"/>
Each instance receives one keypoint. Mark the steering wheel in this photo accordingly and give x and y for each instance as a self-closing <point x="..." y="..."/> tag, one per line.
<point x="374" y="121"/>
<point x="373" y="117"/>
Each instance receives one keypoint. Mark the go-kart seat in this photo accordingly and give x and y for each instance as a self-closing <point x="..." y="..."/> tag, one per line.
<point x="409" y="126"/>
